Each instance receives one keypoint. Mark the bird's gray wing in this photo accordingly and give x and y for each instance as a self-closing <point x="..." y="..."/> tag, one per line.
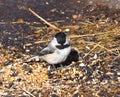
<point x="46" y="51"/>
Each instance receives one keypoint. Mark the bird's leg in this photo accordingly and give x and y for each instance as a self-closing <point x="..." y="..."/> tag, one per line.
<point x="61" y="65"/>
<point x="54" y="66"/>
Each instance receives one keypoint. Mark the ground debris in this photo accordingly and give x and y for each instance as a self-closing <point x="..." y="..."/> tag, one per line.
<point x="95" y="74"/>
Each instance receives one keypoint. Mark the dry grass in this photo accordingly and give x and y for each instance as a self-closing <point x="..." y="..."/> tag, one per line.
<point x="34" y="79"/>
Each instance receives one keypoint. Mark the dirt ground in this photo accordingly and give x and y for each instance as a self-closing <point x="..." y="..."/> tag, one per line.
<point x="92" y="70"/>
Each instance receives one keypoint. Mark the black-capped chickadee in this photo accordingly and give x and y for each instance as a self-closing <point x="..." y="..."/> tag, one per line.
<point x="57" y="50"/>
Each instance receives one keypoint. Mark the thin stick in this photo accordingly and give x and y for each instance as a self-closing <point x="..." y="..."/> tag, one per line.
<point x="34" y="13"/>
<point x="98" y="45"/>
<point x="117" y="57"/>
<point x="36" y="42"/>
<point x="27" y="92"/>
<point x="107" y="49"/>
<point x="24" y="22"/>
<point x="92" y="49"/>
<point x="87" y="35"/>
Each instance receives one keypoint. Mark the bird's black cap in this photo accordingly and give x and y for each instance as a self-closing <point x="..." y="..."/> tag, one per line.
<point x="61" y="37"/>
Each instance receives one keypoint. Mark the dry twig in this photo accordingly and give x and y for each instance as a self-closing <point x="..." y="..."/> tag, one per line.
<point x="98" y="45"/>
<point x="92" y="49"/>
<point x="36" y="42"/>
<point x="34" y="13"/>
<point x="27" y="92"/>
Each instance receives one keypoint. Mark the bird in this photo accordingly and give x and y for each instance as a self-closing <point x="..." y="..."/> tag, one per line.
<point x="56" y="51"/>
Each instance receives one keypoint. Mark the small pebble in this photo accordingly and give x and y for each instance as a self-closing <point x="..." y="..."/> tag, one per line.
<point x="82" y="64"/>
<point x="95" y="56"/>
<point x="67" y="30"/>
<point x="118" y="73"/>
